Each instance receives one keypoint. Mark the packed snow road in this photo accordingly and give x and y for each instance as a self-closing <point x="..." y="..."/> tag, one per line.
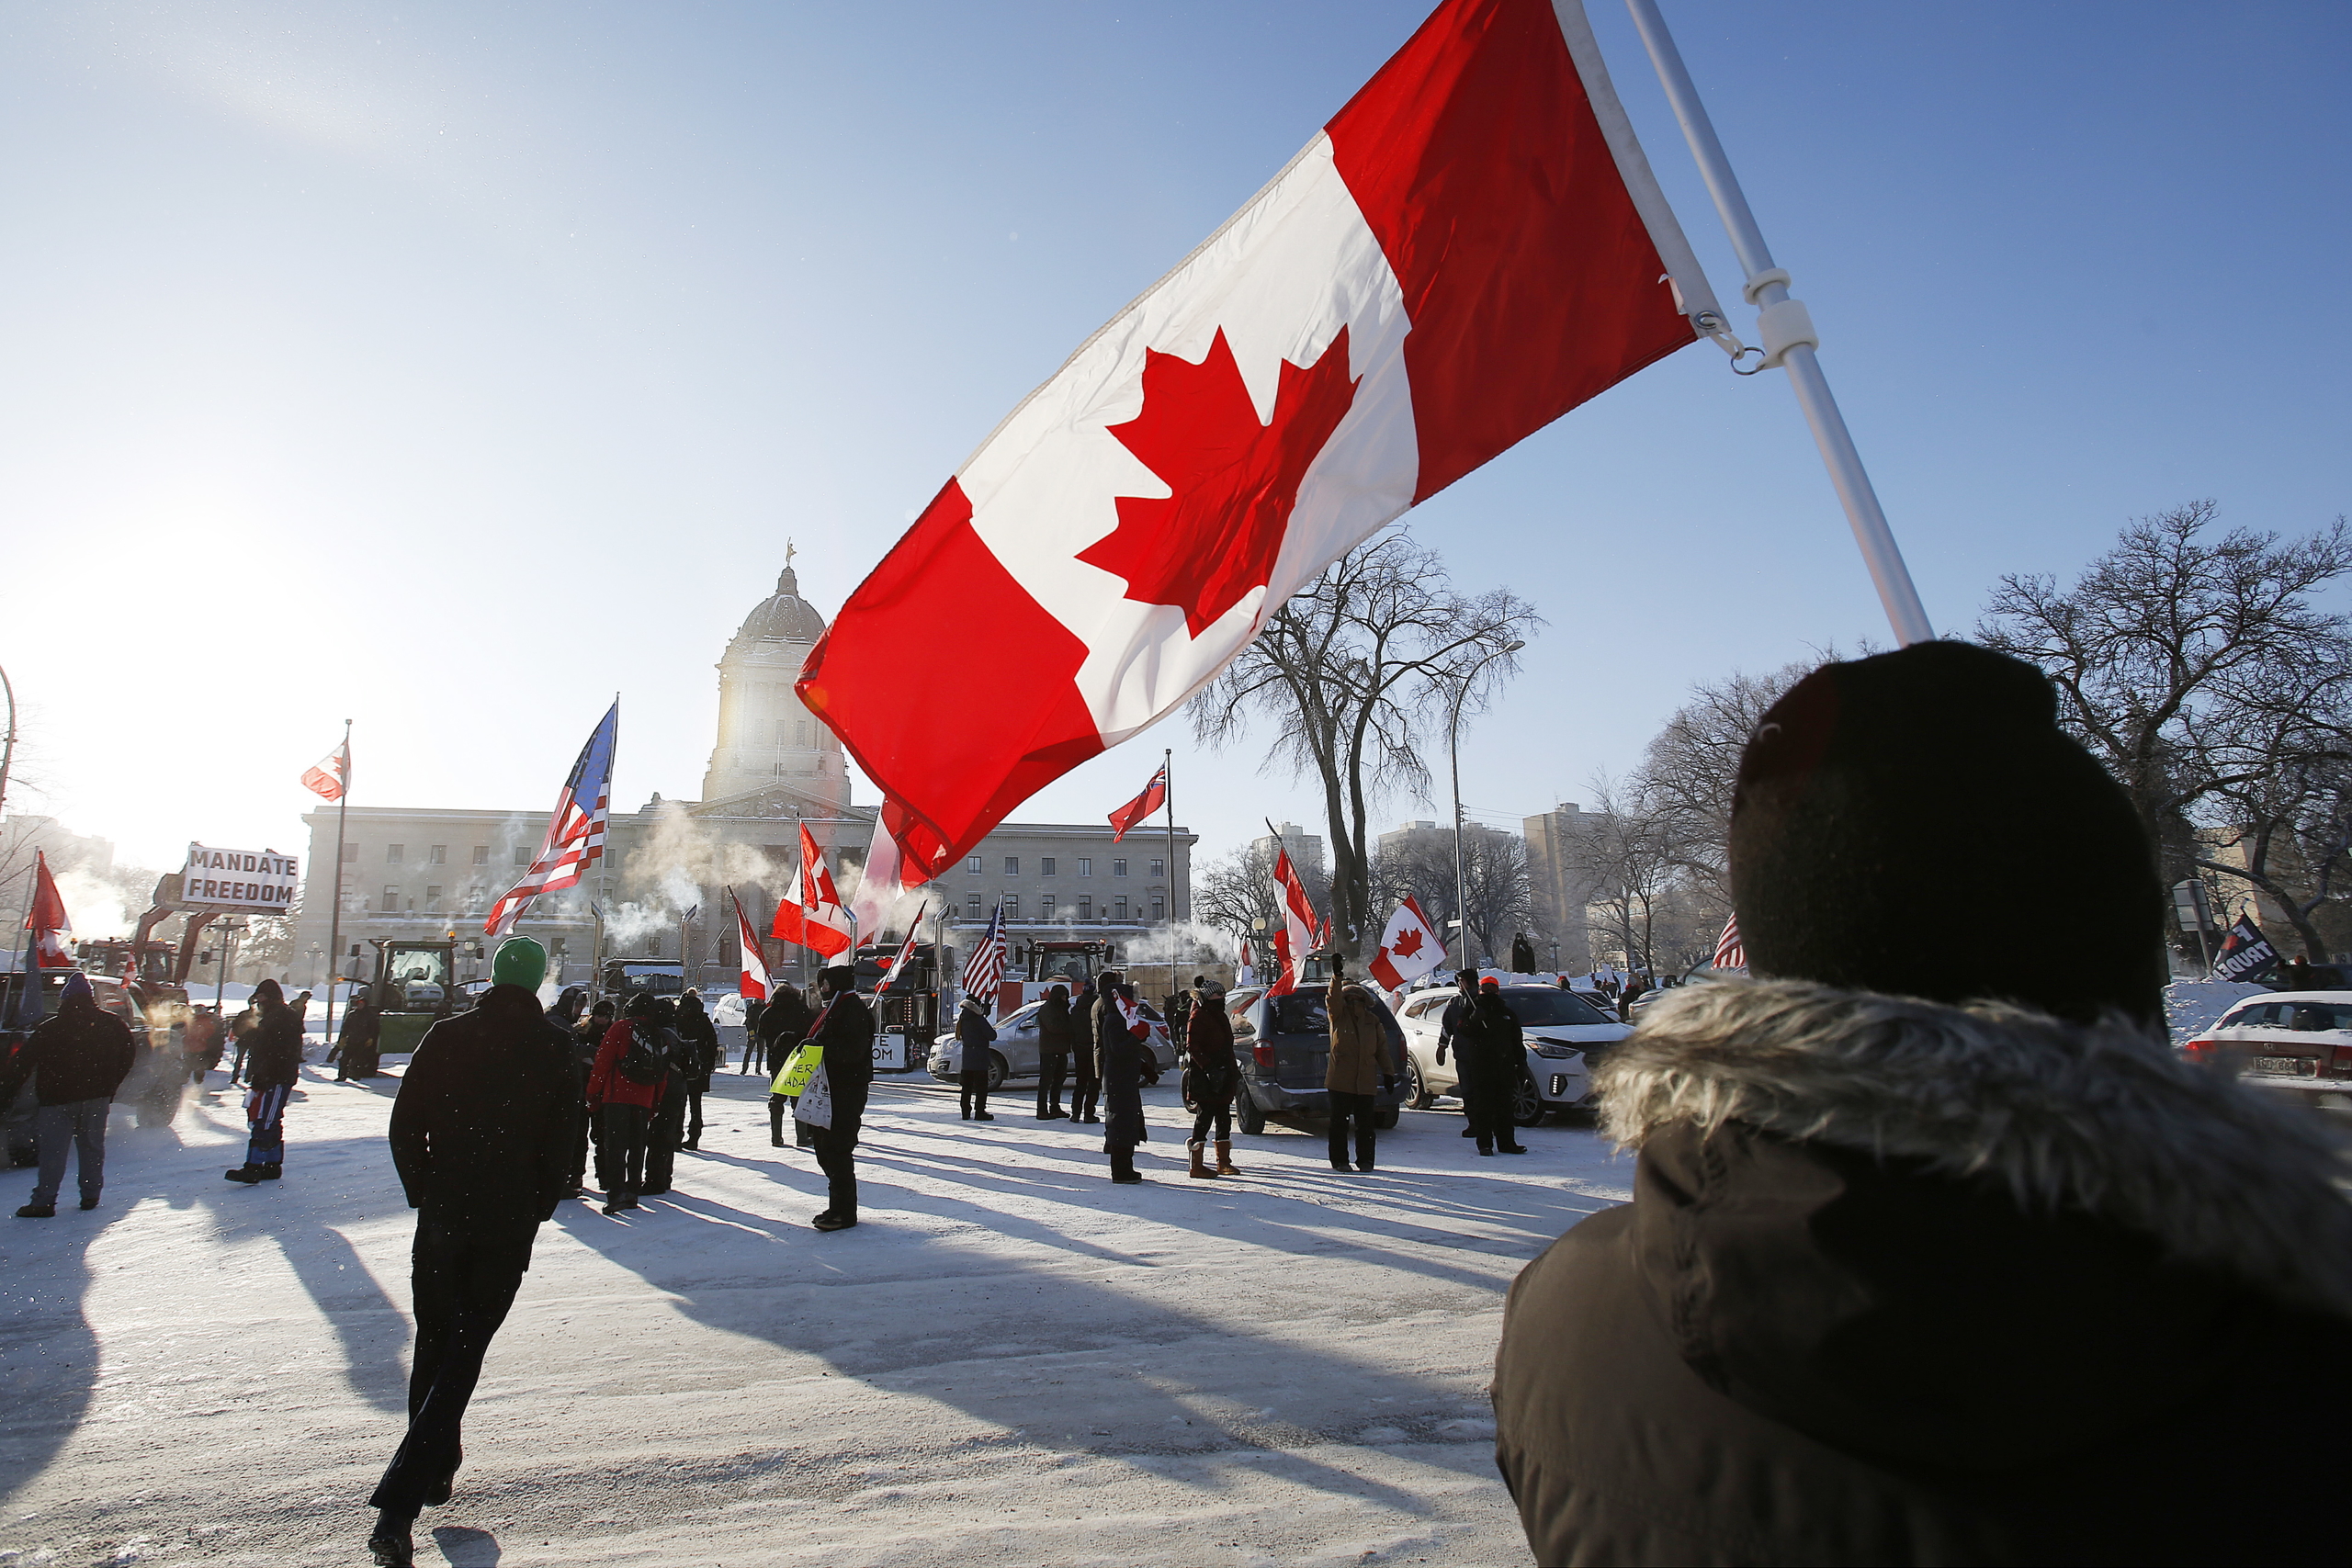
<point x="1009" y="1361"/>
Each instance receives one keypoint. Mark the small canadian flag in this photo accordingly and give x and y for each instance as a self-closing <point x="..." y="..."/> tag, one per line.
<point x="811" y="913"/>
<point x="1409" y="948"/>
<point x="1470" y="248"/>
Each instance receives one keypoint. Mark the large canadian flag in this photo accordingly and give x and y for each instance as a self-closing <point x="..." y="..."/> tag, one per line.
<point x="1470" y="248"/>
<point x="1295" y="937"/>
<point x="811" y="913"/>
<point x="1409" y="948"/>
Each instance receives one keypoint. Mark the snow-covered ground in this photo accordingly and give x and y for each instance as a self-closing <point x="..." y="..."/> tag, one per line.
<point x="2194" y="1004"/>
<point x="1010" y="1361"/>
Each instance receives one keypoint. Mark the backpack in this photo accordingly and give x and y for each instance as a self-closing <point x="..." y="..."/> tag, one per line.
<point x="641" y="1061"/>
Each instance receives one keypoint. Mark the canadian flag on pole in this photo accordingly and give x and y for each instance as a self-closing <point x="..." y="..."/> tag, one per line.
<point x="1470" y="248"/>
<point x="52" y="933"/>
<point x="331" y="774"/>
<point x="877" y="886"/>
<point x="811" y="913"/>
<point x="754" y="981"/>
<point x="1409" y="948"/>
<point x="906" y="953"/>
<point x="1294" y="939"/>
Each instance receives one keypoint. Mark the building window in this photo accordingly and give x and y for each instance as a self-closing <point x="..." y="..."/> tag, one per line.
<point x="477" y="897"/>
<point x="1012" y="906"/>
<point x="1047" y="909"/>
<point x="1085" y="865"/>
<point x="653" y="944"/>
<point x="971" y="906"/>
<point x="974" y="866"/>
<point x="1085" y="905"/>
<point x="800" y="732"/>
<point x="1159" y="907"/>
<point x="391" y="897"/>
<point x="1118" y="868"/>
<point x="440" y="854"/>
<point x="1158" y="868"/>
<point x="1044" y="865"/>
<point x="351" y="852"/>
<point x="1121" y="909"/>
<point x="1013" y="865"/>
<point x="392" y="853"/>
<point x="432" y="900"/>
<point x="482" y="855"/>
<point x="522" y="854"/>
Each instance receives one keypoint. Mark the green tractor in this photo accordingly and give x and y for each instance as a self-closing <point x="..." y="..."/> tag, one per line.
<point x="416" y="988"/>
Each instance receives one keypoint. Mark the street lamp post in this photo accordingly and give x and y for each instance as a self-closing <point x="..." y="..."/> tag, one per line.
<point x="1453" y="763"/>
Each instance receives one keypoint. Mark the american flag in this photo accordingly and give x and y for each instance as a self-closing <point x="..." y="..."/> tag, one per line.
<point x="1730" y="951"/>
<point x="575" y="832"/>
<point x="986" y="966"/>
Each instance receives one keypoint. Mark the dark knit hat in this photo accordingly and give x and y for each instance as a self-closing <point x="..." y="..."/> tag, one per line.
<point x="1916" y="823"/>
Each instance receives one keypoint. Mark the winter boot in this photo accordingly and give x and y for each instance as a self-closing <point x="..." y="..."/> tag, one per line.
<point x="251" y="1175"/>
<point x="1225" y="1165"/>
<point x="1200" y="1166"/>
<point x="38" y="1211"/>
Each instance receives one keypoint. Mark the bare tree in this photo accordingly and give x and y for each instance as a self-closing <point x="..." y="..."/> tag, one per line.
<point x="1635" y="868"/>
<point x="2175" y="654"/>
<point x="1687" y="773"/>
<point x="1349" y="673"/>
<point x="1495" y="878"/>
<point x="1235" y="892"/>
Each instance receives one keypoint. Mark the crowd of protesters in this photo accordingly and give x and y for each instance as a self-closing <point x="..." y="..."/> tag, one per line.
<point x="1929" y="1258"/>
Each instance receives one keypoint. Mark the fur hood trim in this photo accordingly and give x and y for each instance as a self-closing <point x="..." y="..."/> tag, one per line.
<point x="2102" y="1119"/>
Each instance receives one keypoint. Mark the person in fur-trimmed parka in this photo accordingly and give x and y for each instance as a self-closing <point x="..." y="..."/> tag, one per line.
<point x="1937" y="1253"/>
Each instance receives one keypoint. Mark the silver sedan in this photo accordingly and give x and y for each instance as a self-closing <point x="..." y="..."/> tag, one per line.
<point x="1014" y="1055"/>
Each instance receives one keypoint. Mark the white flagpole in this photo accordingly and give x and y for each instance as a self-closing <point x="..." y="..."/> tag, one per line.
<point x="1789" y="336"/>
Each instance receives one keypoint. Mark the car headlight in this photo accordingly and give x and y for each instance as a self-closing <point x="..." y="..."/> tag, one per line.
<point x="1558" y="1053"/>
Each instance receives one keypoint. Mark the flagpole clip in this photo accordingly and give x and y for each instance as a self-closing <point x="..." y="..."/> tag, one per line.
<point x="1715" y="330"/>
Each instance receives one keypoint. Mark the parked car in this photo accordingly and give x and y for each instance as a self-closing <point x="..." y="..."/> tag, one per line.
<point x="2290" y="1040"/>
<point x="1014" y="1055"/>
<point x="1564" y="1035"/>
<point x="1284" y="1045"/>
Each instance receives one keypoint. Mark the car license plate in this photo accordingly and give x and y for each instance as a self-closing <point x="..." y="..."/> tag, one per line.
<point x="2292" y="1067"/>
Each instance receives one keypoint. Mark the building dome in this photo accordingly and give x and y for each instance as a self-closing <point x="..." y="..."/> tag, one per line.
<point x="783" y="615"/>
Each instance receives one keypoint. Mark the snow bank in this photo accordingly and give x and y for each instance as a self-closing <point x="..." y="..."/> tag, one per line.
<point x="2194" y="1004"/>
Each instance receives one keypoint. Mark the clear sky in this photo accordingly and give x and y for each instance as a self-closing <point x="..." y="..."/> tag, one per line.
<point x="450" y="366"/>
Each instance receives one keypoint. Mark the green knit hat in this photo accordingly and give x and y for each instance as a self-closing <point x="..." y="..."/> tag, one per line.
<point x="519" y="962"/>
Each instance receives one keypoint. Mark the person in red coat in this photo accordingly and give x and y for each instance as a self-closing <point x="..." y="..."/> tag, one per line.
<point x="623" y="1106"/>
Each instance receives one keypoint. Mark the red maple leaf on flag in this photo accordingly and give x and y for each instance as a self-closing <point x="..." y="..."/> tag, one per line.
<point x="1408" y="944"/>
<point x="1206" y="546"/>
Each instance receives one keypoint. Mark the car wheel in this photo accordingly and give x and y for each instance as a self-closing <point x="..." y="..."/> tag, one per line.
<point x="998" y="1072"/>
<point x="1253" y="1119"/>
<point x="1417" y="1091"/>
<point x="1526" y="1105"/>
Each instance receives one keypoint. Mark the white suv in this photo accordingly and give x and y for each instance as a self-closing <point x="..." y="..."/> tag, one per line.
<point x="1558" y="1026"/>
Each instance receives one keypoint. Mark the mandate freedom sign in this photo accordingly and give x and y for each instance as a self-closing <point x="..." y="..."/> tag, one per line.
<point x="258" y="880"/>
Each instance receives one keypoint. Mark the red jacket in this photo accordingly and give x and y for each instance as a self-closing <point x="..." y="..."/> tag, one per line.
<point x="607" y="1085"/>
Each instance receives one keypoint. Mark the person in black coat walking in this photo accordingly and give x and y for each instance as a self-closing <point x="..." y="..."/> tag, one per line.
<point x="1086" y="1063"/>
<point x="482" y="1135"/>
<point x="701" y="1036"/>
<point x="1056" y="1033"/>
<point x="846" y="1031"/>
<point x="1123" y="1038"/>
<point x="974" y="1036"/>
<point x="1936" y="1254"/>
<point x="783" y="1023"/>
<point x="356" y="1044"/>
<point x="78" y="1059"/>
<point x="273" y="1066"/>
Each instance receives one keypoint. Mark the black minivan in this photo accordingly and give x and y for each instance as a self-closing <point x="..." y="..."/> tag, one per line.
<point x="1284" y="1045"/>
